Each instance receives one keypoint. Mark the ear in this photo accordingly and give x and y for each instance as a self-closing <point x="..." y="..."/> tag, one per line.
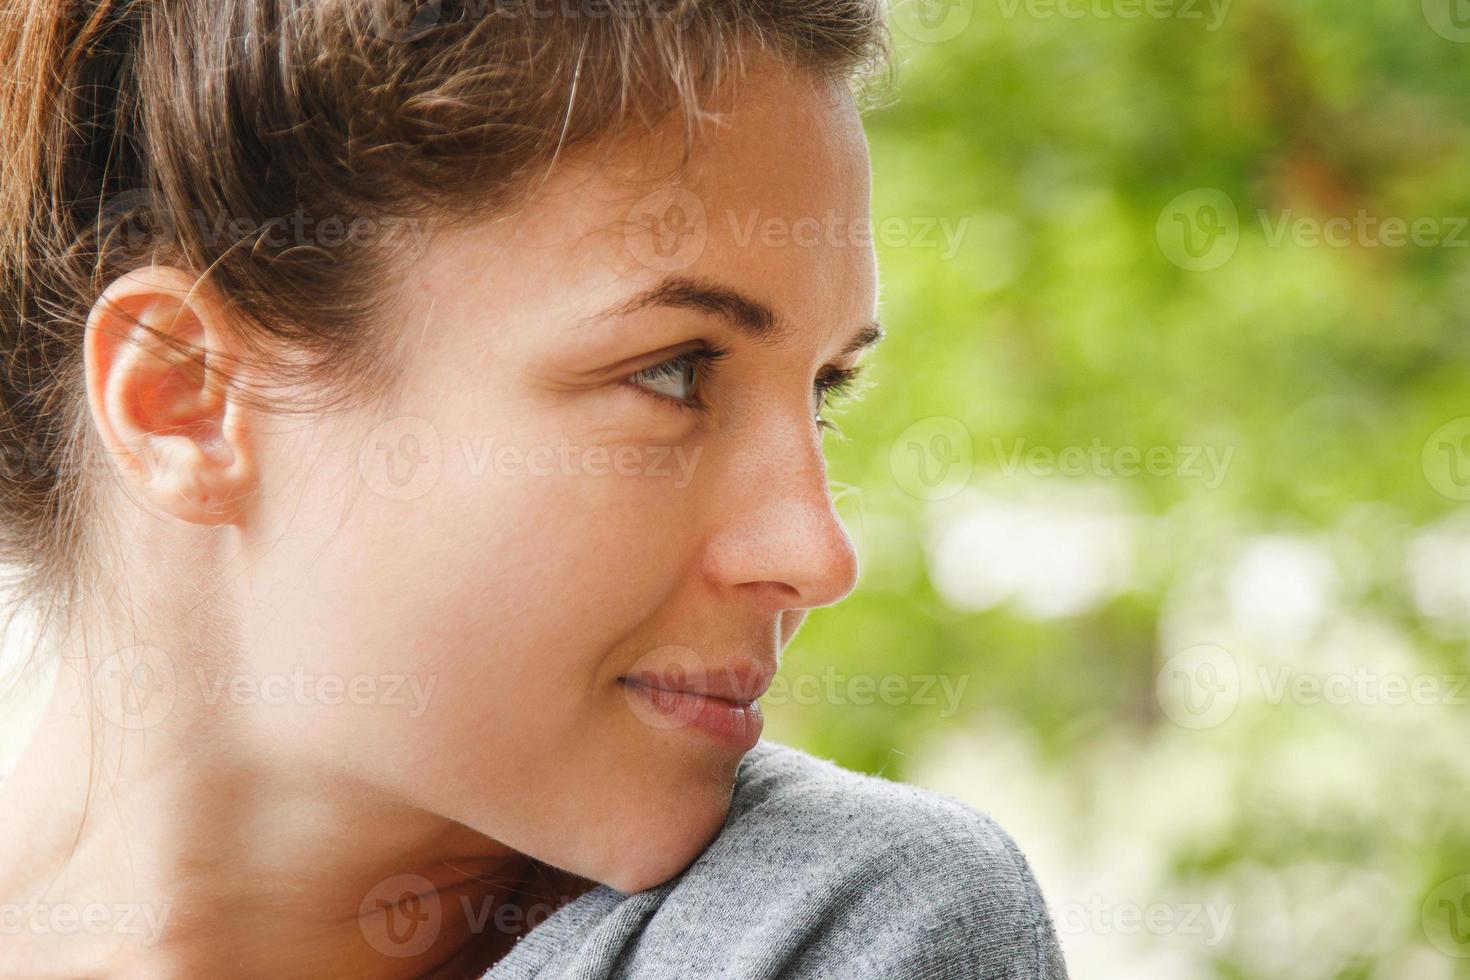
<point x="169" y="419"/>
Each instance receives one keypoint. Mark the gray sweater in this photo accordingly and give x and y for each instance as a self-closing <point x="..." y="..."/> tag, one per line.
<point x="818" y="872"/>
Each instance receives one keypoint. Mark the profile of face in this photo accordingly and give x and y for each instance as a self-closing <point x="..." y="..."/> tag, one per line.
<point x="536" y="592"/>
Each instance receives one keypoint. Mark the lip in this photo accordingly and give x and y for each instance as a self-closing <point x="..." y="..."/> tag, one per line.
<point x="719" y="703"/>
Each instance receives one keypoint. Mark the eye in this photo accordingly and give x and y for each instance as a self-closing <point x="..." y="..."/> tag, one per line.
<point x="833" y="384"/>
<point x="678" y="382"/>
<point x="679" y="379"/>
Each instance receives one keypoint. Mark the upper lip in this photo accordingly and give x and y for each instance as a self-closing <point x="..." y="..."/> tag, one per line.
<point x="740" y="682"/>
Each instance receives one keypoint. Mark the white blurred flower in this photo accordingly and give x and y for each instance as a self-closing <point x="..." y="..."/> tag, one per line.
<point x="1056" y="552"/>
<point x="1438" y="568"/>
<point x="1280" y="587"/>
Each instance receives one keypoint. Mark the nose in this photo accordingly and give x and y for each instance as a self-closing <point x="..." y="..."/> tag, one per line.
<point x="777" y="533"/>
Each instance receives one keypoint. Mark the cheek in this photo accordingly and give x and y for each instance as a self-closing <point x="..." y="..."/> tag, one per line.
<point x="512" y="593"/>
<point x="537" y="576"/>
<point x="545" y="587"/>
<point x="510" y="588"/>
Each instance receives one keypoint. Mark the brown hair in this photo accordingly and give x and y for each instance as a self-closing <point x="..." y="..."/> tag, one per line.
<point x="124" y="116"/>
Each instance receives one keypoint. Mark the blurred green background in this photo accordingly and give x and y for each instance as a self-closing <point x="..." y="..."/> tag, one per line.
<point x="1160" y="487"/>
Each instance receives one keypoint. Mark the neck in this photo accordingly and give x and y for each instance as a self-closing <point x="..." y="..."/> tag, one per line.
<point x="170" y="851"/>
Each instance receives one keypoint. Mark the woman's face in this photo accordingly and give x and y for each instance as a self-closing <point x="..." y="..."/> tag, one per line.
<point x="599" y="485"/>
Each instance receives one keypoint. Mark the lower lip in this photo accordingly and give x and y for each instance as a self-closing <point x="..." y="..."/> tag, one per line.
<point x="733" y="724"/>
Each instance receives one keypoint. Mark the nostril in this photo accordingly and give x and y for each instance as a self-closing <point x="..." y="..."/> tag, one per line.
<point x="782" y="595"/>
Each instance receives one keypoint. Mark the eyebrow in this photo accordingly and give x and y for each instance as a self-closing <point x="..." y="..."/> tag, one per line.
<point x="745" y="313"/>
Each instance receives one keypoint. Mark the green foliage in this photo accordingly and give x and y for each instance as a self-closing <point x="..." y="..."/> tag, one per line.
<point x="1064" y="318"/>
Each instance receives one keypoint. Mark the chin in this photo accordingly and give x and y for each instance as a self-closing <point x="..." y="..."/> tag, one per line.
<point x="651" y="866"/>
<point x="662" y="840"/>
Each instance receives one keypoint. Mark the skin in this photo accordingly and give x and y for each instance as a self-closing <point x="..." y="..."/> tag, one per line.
<point x="250" y="546"/>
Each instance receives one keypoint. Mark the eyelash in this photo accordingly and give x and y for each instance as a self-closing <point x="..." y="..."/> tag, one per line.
<point x="704" y="358"/>
<point x="834" y="383"/>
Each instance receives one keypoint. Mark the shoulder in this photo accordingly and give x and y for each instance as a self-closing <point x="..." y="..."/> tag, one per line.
<point x="914" y="880"/>
<point x="821" y="806"/>
<point x="818" y="872"/>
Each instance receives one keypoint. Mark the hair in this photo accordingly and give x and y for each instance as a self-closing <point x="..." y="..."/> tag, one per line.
<point x="189" y="133"/>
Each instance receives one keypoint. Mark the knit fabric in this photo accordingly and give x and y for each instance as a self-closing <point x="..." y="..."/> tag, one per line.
<point x="818" y="872"/>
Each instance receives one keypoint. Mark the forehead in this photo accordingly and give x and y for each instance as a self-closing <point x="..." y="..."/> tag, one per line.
<point x="774" y="198"/>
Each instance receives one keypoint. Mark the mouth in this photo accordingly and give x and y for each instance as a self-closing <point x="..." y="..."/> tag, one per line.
<point x="721" y="706"/>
